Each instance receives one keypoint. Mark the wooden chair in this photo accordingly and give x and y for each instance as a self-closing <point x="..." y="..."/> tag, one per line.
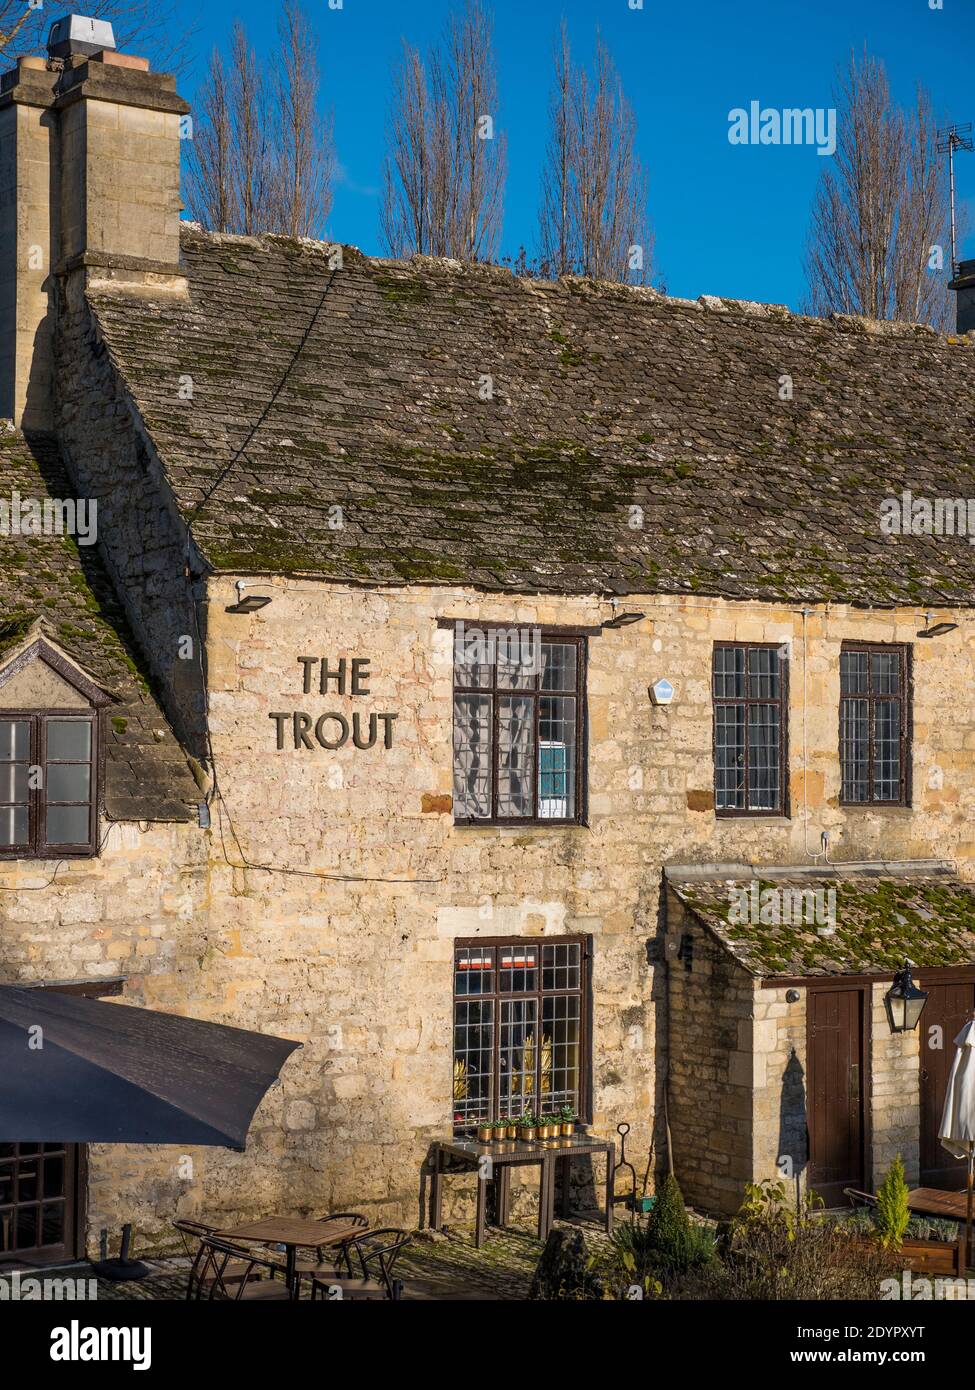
<point x="220" y="1256"/>
<point x="200" y="1276"/>
<point x="377" y="1253"/>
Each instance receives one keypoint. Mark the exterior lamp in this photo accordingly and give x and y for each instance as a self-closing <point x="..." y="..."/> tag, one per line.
<point x="247" y="603"/>
<point x="904" y="1002"/>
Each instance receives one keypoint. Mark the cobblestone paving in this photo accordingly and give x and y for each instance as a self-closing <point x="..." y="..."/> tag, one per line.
<point x="447" y="1268"/>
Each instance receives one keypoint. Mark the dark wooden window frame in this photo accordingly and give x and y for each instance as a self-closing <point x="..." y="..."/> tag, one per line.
<point x="782" y="810"/>
<point x="584" y="992"/>
<point x="37" y="846"/>
<point x="563" y="636"/>
<point x="906" y="724"/>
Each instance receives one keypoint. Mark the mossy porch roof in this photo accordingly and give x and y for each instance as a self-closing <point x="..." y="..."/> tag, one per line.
<point x="426" y="421"/>
<point x="51" y="581"/>
<point x="880" y="921"/>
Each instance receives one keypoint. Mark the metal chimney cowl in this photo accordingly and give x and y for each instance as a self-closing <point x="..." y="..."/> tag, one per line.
<point x="77" y="34"/>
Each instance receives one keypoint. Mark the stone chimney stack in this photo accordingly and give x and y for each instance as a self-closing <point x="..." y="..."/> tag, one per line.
<point x="964" y="287"/>
<point x="89" y="192"/>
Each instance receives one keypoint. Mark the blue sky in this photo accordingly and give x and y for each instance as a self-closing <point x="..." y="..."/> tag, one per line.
<point x="728" y="220"/>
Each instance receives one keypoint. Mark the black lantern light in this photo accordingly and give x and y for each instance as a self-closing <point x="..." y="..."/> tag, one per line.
<point x="904" y="1002"/>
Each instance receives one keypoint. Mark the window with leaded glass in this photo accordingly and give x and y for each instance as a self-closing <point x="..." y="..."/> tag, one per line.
<point x="520" y="1034"/>
<point x="874" y="722"/>
<point x="48" y="801"/>
<point x="519" y="728"/>
<point x="750" y="722"/>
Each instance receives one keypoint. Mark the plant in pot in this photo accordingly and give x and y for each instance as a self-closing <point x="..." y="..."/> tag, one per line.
<point x="511" y="1127"/>
<point x="567" y="1119"/>
<point x="527" y="1126"/>
<point x="485" y="1131"/>
<point x="500" y="1130"/>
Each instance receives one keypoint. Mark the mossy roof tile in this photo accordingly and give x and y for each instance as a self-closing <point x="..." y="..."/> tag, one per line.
<point x="51" y="581"/>
<point x="436" y="422"/>
<point x="880" y="920"/>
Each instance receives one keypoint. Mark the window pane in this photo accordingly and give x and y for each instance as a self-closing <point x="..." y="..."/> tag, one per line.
<point x="474" y="970"/>
<point x="473" y="1059"/>
<point x="68" y="738"/>
<point x="887" y="749"/>
<point x="763" y="673"/>
<point x="558" y="666"/>
<point x="729" y="753"/>
<point x="729" y="672"/>
<point x="763" y="757"/>
<point x="518" y="656"/>
<point x="68" y="782"/>
<point x="854" y="667"/>
<point x="67" y="825"/>
<point x="556" y="756"/>
<point x="518" y="969"/>
<point x="52" y="1224"/>
<point x="13" y="825"/>
<point x="516" y="756"/>
<point x="561" y="1033"/>
<point x="519" y="1022"/>
<point x="472" y="756"/>
<point x="13" y="781"/>
<point x="854" y="727"/>
<point x="885" y="673"/>
<point x="14" y="740"/>
<point x="561" y="966"/>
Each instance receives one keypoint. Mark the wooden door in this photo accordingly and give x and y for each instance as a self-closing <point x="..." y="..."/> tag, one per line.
<point x="835" y="1097"/>
<point x="40" y="1192"/>
<point x="945" y="1014"/>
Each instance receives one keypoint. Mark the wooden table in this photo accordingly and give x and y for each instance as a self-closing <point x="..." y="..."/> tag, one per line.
<point x="292" y="1232"/>
<point x="462" y="1155"/>
<point x="932" y="1201"/>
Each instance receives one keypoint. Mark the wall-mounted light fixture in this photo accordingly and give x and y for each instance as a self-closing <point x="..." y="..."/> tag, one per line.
<point x="792" y="996"/>
<point x="623" y="619"/>
<point x="904" y="1002"/>
<point x="251" y="603"/>
<point x="936" y="629"/>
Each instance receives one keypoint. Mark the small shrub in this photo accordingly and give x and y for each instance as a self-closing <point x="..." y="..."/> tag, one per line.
<point x="668" y="1220"/>
<point x="893" y="1213"/>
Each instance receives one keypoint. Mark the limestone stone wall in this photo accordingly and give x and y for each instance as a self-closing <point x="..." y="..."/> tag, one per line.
<point x="337" y="883"/>
<point x="895" y="1092"/>
<point x="780" y="1148"/>
<point x="137" y="912"/>
<point x="713" y="1069"/>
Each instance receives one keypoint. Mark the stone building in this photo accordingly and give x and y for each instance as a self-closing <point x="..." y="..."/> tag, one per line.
<point x="456" y="646"/>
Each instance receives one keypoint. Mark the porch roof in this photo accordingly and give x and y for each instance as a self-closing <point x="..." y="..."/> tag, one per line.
<point x="881" y="919"/>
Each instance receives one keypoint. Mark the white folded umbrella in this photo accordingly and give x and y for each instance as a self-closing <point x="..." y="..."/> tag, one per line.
<point x="957" y="1128"/>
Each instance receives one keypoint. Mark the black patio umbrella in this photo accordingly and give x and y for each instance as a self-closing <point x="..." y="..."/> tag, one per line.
<point x="76" y="1070"/>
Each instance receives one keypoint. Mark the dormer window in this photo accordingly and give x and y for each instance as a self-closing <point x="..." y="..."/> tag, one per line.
<point x="49" y="756"/>
<point x="48" y="807"/>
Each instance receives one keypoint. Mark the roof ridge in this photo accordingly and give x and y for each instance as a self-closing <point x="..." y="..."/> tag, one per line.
<point x="712" y="303"/>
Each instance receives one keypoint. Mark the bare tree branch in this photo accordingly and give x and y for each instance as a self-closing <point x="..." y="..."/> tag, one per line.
<point x="301" y="189"/>
<point x="446" y="162"/>
<point x="593" y="218"/>
<point x="881" y="210"/>
<point x="262" y="158"/>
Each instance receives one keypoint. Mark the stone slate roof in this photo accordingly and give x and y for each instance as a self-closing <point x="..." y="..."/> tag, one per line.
<point x="361" y="389"/>
<point x="51" y="583"/>
<point x="881" y="919"/>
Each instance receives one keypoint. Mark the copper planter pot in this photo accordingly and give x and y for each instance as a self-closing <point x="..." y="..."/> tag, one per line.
<point x="485" y="1133"/>
<point x="527" y="1135"/>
